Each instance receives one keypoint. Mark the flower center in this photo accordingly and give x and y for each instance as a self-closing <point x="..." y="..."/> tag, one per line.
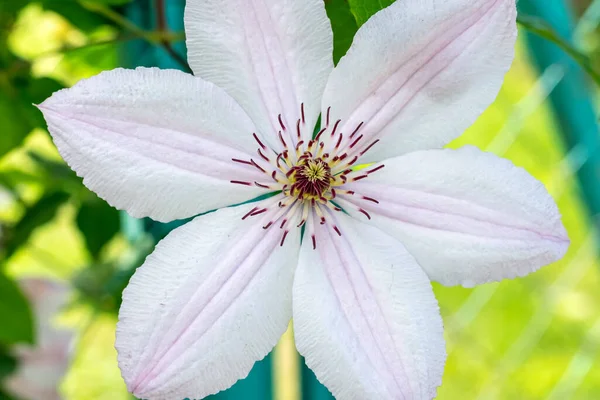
<point x="311" y="179"/>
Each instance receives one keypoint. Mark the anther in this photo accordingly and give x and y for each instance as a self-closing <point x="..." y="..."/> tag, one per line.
<point x="259" y="142"/>
<point x="369" y="147"/>
<point x="302" y="113"/>
<point x="283" y="238"/>
<point x="337" y="146"/>
<point x="356" y="130"/>
<point x="370" y="199"/>
<point x="356" y="141"/>
<point x="282" y="141"/>
<point x="298" y="129"/>
<point x="327" y="119"/>
<point x="364" y="212"/>
<point x="249" y="213"/>
<point x="335" y="127"/>
<point x="242" y="183"/>
<point x="281" y="122"/>
<point x="375" y="169"/>
<point x="319" y="134"/>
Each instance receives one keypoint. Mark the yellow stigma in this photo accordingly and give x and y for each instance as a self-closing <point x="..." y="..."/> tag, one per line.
<point x="311" y="178"/>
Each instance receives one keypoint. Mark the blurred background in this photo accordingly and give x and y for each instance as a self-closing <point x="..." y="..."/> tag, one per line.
<point x="65" y="255"/>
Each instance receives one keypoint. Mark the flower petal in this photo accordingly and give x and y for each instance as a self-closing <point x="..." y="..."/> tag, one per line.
<point x="467" y="216"/>
<point x="156" y="143"/>
<point x="270" y="55"/>
<point x="365" y="317"/>
<point x="213" y="298"/>
<point x="421" y="71"/>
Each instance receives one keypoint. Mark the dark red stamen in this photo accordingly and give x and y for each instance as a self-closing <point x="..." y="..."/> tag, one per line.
<point x="375" y="169"/>
<point x="259" y="142"/>
<point x="249" y="213"/>
<point x="337" y="146"/>
<point x="335" y="228"/>
<point x="282" y="141"/>
<point x="356" y="141"/>
<point x="298" y="129"/>
<point x="320" y="133"/>
<point x="314" y="241"/>
<point x="283" y="238"/>
<point x="364" y="212"/>
<point x="356" y="130"/>
<point x="327" y="120"/>
<point x="281" y="122"/>
<point x="337" y="123"/>
<point x="369" y="147"/>
<point x="261" y="185"/>
<point x="241" y="183"/>
<point x="257" y="166"/>
<point x="302" y="112"/>
<point x="260" y="153"/>
<point x="370" y="199"/>
<point x="237" y="160"/>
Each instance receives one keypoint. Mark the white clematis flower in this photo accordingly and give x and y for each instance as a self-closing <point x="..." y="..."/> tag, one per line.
<point x="217" y="293"/>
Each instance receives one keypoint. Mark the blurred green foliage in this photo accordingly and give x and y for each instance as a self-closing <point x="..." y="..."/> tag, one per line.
<point x="532" y="338"/>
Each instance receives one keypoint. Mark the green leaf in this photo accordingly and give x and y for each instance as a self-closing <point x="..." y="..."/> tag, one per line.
<point x="37" y="215"/>
<point x="8" y="363"/>
<point x="18" y="116"/>
<point x="541" y="28"/>
<point x="14" y="128"/>
<point x="15" y="312"/>
<point x="343" y="25"/>
<point x="364" y="9"/>
<point x="99" y="223"/>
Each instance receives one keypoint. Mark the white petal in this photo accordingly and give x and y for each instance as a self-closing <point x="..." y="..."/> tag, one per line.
<point x="270" y="55"/>
<point x="467" y="216"/>
<point x="156" y="143"/>
<point x="365" y="317"/>
<point x="213" y="298"/>
<point x="421" y="71"/>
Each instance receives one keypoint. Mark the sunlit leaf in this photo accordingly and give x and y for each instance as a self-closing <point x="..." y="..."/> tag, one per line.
<point x="363" y="9"/>
<point x="36" y="216"/>
<point x="17" y="326"/>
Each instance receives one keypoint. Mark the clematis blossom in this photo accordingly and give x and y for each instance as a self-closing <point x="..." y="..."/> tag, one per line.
<point x="347" y="252"/>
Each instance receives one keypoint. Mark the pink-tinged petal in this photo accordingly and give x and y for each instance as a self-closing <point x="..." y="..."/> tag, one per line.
<point x="467" y="216"/>
<point x="272" y="56"/>
<point x="365" y="317"/>
<point x="42" y="366"/>
<point x="213" y="298"/>
<point x="156" y="143"/>
<point x="421" y="71"/>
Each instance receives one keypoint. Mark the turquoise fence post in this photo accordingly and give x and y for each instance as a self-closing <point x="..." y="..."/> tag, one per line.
<point x="571" y="99"/>
<point x="258" y="384"/>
